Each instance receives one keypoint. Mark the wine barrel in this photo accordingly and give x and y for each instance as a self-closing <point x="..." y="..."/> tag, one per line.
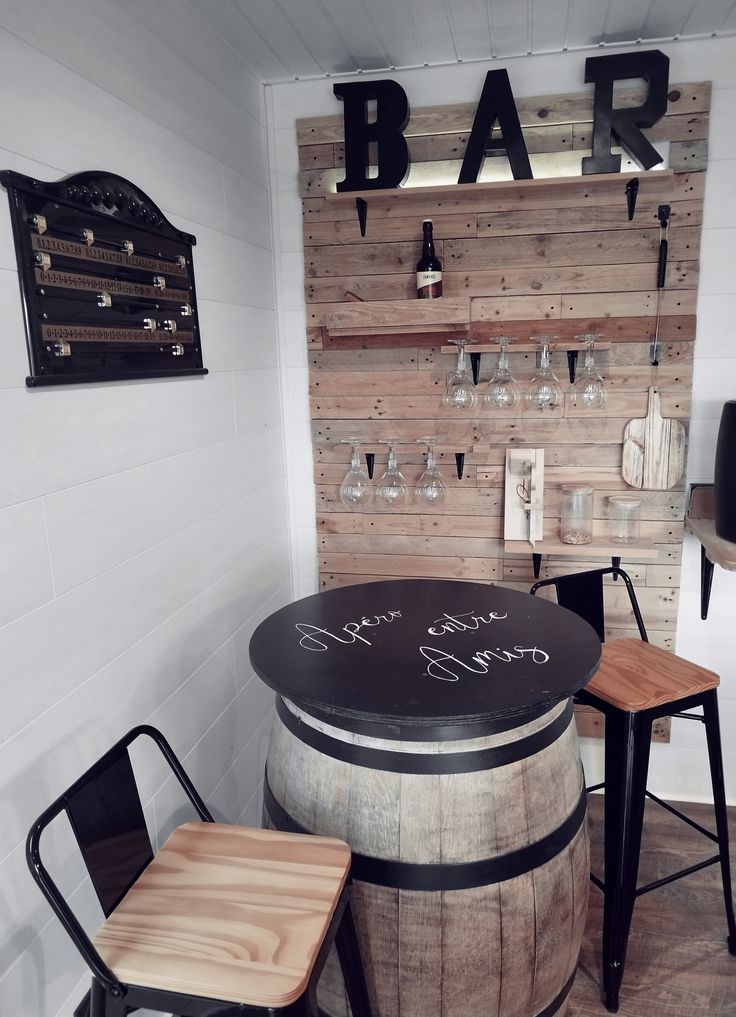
<point x="470" y="859"/>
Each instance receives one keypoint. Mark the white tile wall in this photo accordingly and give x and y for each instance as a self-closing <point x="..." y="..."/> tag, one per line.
<point x="680" y="769"/>
<point x="143" y="526"/>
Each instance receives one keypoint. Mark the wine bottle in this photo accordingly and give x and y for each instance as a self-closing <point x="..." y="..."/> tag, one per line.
<point x="429" y="267"/>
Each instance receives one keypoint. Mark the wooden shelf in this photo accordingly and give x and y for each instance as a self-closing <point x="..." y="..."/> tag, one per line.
<point x="553" y="545"/>
<point x="493" y="347"/>
<point x="384" y="317"/>
<point x="657" y="183"/>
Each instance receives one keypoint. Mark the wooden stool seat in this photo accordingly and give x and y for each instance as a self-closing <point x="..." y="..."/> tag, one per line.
<point x="635" y="676"/>
<point x="228" y="912"/>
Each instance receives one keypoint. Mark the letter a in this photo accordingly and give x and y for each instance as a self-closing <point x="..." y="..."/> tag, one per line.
<point x="392" y="115"/>
<point x="625" y="122"/>
<point x="496" y="104"/>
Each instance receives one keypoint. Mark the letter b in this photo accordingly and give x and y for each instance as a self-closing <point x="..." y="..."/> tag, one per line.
<point x="392" y="115"/>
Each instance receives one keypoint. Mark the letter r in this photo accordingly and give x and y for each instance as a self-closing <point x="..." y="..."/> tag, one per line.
<point x="626" y="122"/>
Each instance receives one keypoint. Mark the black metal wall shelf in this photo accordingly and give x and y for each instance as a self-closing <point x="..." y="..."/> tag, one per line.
<point x="107" y="283"/>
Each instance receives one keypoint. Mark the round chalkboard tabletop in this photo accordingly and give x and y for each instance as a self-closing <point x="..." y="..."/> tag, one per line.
<point x="424" y="658"/>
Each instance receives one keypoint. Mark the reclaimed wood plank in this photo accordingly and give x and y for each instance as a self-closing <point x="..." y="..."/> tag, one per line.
<point x="566" y="108"/>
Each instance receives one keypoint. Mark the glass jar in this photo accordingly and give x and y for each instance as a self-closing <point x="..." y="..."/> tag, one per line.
<point x="576" y="514"/>
<point x="624" y="516"/>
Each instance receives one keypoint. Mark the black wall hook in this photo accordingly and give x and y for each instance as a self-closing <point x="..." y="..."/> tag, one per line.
<point x="460" y="464"/>
<point x="572" y="364"/>
<point x="362" y="205"/>
<point x="370" y="458"/>
<point x="632" y="189"/>
<point x="475" y="366"/>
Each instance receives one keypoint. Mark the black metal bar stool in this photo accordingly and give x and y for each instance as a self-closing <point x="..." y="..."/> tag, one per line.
<point x="636" y="684"/>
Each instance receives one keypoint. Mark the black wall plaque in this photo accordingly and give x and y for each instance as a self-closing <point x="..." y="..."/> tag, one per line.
<point x="106" y="281"/>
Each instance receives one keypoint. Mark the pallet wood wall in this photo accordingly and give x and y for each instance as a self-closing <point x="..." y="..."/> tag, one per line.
<point x="522" y="259"/>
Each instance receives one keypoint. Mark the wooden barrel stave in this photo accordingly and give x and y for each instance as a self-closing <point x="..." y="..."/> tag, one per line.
<point x="503" y="949"/>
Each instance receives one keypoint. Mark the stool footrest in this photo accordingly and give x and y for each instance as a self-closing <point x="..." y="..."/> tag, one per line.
<point x="681" y="815"/>
<point x="677" y="875"/>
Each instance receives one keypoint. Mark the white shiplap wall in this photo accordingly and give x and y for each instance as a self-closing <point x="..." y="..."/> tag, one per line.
<point x="680" y="769"/>
<point x="143" y="525"/>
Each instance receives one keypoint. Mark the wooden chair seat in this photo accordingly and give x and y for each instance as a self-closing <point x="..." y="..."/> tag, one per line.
<point x="228" y="912"/>
<point x="635" y="676"/>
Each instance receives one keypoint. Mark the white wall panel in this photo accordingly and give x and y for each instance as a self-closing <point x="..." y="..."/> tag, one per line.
<point x="44" y="757"/>
<point x="46" y="657"/>
<point x="167" y="531"/>
<point x="257" y="399"/>
<point x="13" y="355"/>
<point x="25" y="569"/>
<point x="54" y="438"/>
<point x="152" y="79"/>
<point x="122" y="515"/>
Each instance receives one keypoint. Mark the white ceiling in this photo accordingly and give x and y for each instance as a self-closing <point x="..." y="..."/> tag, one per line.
<point x="284" y="40"/>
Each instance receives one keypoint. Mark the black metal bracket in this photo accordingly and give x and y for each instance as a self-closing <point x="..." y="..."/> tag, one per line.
<point x="572" y="364"/>
<point x="632" y="190"/>
<point x="370" y="458"/>
<point x="460" y="464"/>
<point x="362" y="206"/>
<point x="475" y="366"/>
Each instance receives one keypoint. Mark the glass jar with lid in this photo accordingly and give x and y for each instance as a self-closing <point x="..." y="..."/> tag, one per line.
<point x="576" y="514"/>
<point x="624" y="516"/>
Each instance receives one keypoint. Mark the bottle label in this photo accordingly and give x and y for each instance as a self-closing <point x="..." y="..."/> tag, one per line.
<point x="429" y="284"/>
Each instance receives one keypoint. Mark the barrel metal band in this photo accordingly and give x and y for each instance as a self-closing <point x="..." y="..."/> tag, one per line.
<point x="559" y="1001"/>
<point x="435" y="876"/>
<point x="425" y="762"/>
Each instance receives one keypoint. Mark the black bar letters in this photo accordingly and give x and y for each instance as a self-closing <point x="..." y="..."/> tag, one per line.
<point x="625" y="123"/>
<point x="392" y="115"/>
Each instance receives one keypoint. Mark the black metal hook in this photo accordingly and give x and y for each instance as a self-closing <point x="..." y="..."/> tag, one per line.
<point x="362" y="205"/>
<point x="475" y="366"/>
<point x="632" y="190"/>
<point x="370" y="458"/>
<point x="572" y="364"/>
<point x="460" y="463"/>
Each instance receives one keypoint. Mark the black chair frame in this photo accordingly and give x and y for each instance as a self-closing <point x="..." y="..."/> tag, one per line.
<point x="627" y="747"/>
<point x="108" y="996"/>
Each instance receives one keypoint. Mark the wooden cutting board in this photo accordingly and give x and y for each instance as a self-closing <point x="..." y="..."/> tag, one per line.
<point x="654" y="449"/>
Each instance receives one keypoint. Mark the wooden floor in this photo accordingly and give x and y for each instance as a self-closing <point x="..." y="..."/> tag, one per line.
<point x="678" y="964"/>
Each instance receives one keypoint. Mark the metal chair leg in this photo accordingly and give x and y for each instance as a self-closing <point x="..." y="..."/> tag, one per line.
<point x="346" y="941"/>
<point x="713" y="734"/>
<point x="706" y="582"/>
<point x="627" y="743"/>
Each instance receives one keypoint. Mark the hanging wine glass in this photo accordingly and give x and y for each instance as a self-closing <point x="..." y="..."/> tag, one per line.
<point x="355" y="490"/>
<point x="431" y="488"/>
<point x="392" y="486"/>
<point x="460" y="390"/>
<point x="544" y="392"/>
<point x="502" y="392"/>
<point x="589" y="388"/>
